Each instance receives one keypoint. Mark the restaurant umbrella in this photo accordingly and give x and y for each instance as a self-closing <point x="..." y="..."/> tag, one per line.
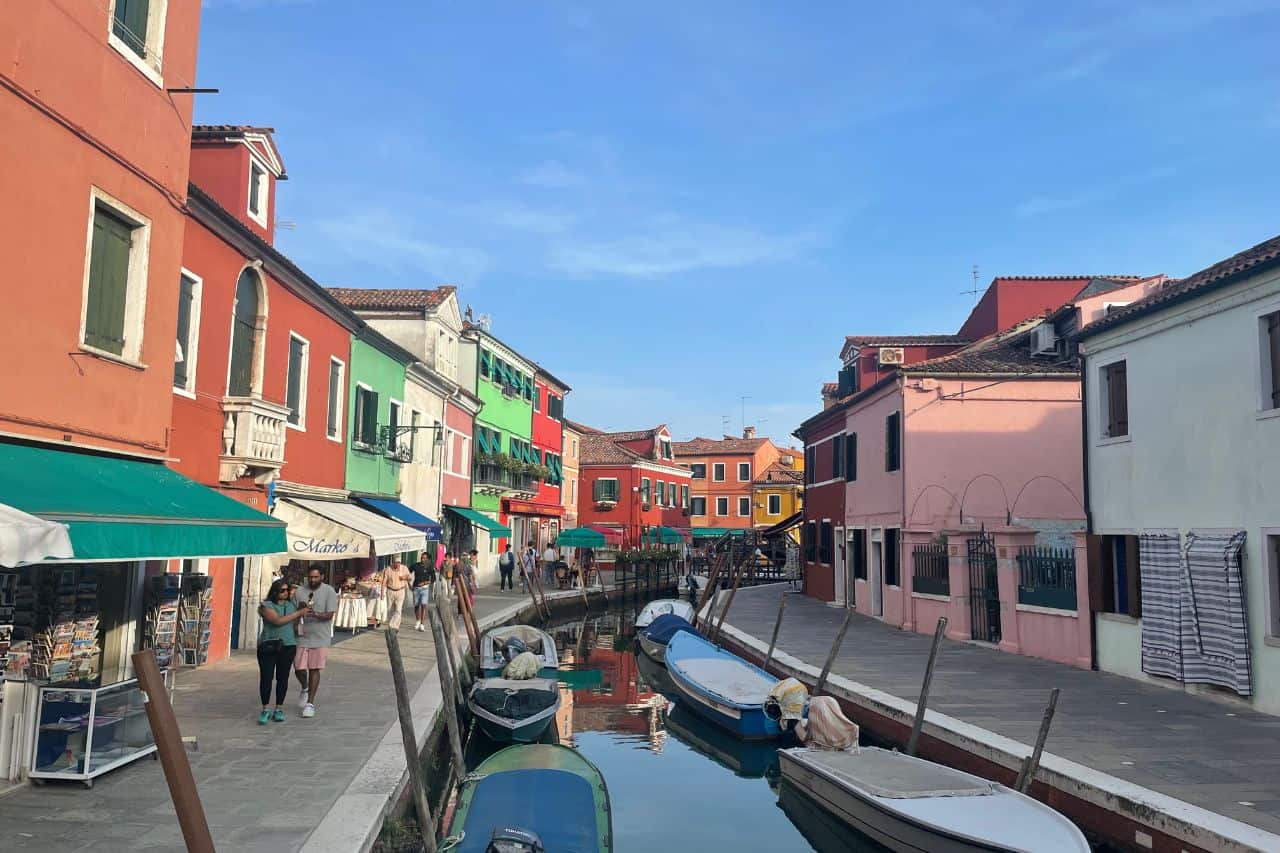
<point x="580" y="537"/>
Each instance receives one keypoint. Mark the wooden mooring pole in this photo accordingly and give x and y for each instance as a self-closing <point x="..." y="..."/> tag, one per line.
<point x="733" y="591"/>
<point x="923" y="701"/>
<point x="835" y="650"/>
<point x="447" y="690"/>
<point x="412" y="758"/>
<point x="777" y="624"/>
<point x="459" y="589"/>
<point x="1032" y="764"/>
<point x="449" y="653"/>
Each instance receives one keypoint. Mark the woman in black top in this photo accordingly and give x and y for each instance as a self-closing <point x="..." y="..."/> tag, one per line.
<point x="423" y="577"/>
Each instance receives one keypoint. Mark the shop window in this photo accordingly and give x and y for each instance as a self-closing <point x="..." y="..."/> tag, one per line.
<point x="722" y="506"/>
<point x="774" y="505"/>
<point x="333" y="418"/>
<point x="698" y="506"/>
<point x="744" y="507"/>
<point x="1115" y="400"/>
<point x="184" y="358"/>
<point x="717" y="472"/>
<point x="115" y="280"/>
<point x="296" y="380"/>
<point x="893" y="442"/>
<point x="892" y="559"/>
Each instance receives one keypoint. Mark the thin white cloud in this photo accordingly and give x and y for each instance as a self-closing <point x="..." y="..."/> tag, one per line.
<point x="522" y="217"/>
<point x="553" y="175"/>
<point x="1048" y="204"/>
<point x="386" y="241"/>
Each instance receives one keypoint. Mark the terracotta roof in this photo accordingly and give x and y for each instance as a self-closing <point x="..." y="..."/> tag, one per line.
<point x="829" y="388"/>
<point x="393" y="299"/>
<point x="580" y="428"/>
<point x="779" y="474"/>
<point x="224" y="129"/>
<point x="711" y="446"/>
<point x="634" y="435"/>
<point x="1005" y="353"/>
<point x="1220" y="274"/>
<point x="1066" y="277"/>
<point x="598" y="448"/>
<point x="903" y="340"/>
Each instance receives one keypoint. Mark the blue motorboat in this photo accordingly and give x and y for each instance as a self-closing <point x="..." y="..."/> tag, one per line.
<point x="721" y="687"/>
<point x="654" y="637"/>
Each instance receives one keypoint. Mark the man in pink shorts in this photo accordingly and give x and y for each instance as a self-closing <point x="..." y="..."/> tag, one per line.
<point x="315" y="634"/>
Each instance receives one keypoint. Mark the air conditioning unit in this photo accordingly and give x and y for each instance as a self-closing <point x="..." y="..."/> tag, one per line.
<point x="1109" y="308"/>
<point x="892" y="355"/>
<point x="1044" y="339"/>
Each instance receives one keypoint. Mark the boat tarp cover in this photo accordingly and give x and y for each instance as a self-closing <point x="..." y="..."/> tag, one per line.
<point x="525" y="666"/>
<point x="515" y="700"/>
<point x="894" y="775"/>
<point x="662" y="629"/>
<point x="654" y="609"/>
<point x="555" y="804"/>
<point x="827" y="727"/>
<point x="791" y="696"/>
<point x="530" y="636"/>
<point x="730" y="679"/>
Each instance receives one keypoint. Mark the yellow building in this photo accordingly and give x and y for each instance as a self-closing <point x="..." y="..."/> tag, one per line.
<point x="778" y="492"/>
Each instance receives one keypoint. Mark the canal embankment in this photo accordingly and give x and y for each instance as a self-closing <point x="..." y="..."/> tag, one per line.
<point x="1137" y="766"/>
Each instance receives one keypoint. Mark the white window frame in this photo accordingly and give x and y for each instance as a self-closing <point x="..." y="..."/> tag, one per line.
<point x="1104" y="402"/>
<point x="151" y="66"/>
<point x="416" y="419"/>
<point x="742" y="479"/>
<point x="717" y="467"/>
<point x="191" y="347"/>
<point x="617" y="492"/>
<point x="355" y="410"/>
<point x="135" y="300"/>
<point x="393" y="443"/>
<point x="724" y="514"/>
<point x="770" y="501"/>
<point x="264" y="191"/>
<point x="744" y="502"/>
<point x="1265" y="409"/>
<point x="573" y="491"/>
<point x="1271" y="560"/>
<point x="646" y="491"/>
<point x="702" y="514"/>
<point x="340" y="397"/>
<point x="301" y="425"/>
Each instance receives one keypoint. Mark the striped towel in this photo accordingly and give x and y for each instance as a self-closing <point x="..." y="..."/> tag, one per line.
<point x="1160" y="559"/>
<point x="1214" y="627"/>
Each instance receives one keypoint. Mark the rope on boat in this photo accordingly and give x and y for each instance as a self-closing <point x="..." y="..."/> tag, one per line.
<point x="452" y="841"/>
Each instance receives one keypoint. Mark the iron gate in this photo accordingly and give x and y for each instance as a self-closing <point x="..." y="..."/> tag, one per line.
<point x="984" y="589"/>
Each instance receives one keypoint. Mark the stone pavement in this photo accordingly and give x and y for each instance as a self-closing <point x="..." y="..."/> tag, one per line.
<point x="1217" y="755"/>
<point x="264" y="788"/>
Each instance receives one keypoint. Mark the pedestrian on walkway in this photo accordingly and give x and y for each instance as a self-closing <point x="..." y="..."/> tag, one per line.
<point x="469" y="575"/>
<point x="506" y="566"/>
<point x="549" y="558"/>
<point x="395" y="584"/>
<point x="277" y="646"/>
<point x="315" y="634"/>
<point x="424" y="575"/>
<point x="528" y="565"/>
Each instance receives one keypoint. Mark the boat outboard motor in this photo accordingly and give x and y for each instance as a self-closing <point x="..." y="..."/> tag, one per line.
<point x="513" y="648"/>
<point x="513" y="839"/>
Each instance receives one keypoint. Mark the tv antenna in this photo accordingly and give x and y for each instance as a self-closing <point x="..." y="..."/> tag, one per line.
<point x="484" y="321"/>
<point x="744" y="400"/>
<point x="725" y="420"/>
<point x="975" y="290"/>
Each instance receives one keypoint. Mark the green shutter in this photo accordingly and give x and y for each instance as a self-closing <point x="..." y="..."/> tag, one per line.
<point x="371" y="419"/>
<point x="108" y="283"/>
<point x="130" y="25"/>
<point x="486" y="363"/>
<point x="481" y="442"/>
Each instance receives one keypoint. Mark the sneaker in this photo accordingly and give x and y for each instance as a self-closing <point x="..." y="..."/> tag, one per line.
<point x="421" y="627"/>
<point x="264" y="718"/>
<point x="309" y="711"/>
<point x="278" y="716"/>
<point x="302" y="703"/>
<point x="417" y="626"/>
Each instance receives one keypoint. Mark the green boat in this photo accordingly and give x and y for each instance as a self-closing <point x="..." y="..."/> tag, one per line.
<point x="533" y="797"/>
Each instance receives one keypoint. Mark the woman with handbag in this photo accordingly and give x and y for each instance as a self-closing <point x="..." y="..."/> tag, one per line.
<point x="277" y="645"/>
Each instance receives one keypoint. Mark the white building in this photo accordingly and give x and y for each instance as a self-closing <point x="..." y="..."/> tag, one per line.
<point x="1182" y="455"/>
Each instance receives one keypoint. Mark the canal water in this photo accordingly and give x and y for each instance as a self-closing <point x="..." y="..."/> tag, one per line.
<point x="675" y="782"/>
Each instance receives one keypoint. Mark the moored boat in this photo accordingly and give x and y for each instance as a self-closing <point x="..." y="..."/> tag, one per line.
<point x="511" y="711"/>
<point x="653" y="639"/>
<point x="496" y="652"/>
<point x="745" y="758"/>
<point x="662" y="607"/>
<point x="721" y="687"/>
<point x="546" y="791"/>
<point x="912" y="805"/>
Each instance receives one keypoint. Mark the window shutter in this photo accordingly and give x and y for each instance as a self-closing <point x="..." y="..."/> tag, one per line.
<point x="837" y="457"/>
<point x="851" y="457"/>
<point x="108" y="283"/>
<point x="893" y="442"/>
<point x="1273" y="339"/>
<point x="293" y="381"/>
<point x="486" y="362"/>
<point x="182" y="362"/>
<point x="130" y="25"/>
<point x="1117" y="399"/>
<point x="371" y="419"/>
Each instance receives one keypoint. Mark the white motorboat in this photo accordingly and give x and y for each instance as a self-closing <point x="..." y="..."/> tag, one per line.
<point x="915" y="806"/>
<point x="663" y="606"/>
<point x="494" y="656"/>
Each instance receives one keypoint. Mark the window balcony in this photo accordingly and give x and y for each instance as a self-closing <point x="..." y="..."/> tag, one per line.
<point x="253" y="434"/>
<point x="490" y="480"/>
<point x="525" y="484"/>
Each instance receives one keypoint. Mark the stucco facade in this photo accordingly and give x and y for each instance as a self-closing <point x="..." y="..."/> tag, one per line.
<point x="571" y="443"/>
<point x="421" y="477"/>
<point x="371" y="468"/>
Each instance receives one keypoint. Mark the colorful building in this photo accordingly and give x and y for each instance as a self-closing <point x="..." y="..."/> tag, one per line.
<point x="547" y="432"/>
<point x="723" y="473"/>
<point x="572" y="444"/>
<point x="778" y="491"/>
<point x="629" y="481"/>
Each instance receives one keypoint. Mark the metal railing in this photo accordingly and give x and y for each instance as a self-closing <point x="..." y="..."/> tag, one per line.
<point x="931" y="569"/>
<point x="1047" y="577"/>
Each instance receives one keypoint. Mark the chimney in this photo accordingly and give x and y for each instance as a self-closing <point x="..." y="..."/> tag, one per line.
<point x="749" y="432"/>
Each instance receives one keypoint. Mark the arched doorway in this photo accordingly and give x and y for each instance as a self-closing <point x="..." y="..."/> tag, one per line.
<point x="244" y="327"/>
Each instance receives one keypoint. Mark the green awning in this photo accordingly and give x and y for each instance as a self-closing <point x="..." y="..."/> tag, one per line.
<point x="479" y="519"/>
<point x="663" y="535"/>
<point x="716" y="532"/>
<point x="127" y="509"/>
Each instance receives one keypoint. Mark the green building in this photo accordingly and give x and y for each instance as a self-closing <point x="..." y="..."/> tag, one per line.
<point x="376" y="401"/>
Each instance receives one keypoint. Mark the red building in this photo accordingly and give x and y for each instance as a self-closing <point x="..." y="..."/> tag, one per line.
<point x="455" y="479"/>
<point x="261" y="380"/>
<point x="629" y="481"/>
<point x="823" y="501"/>
<point x="547" y="437"/>
<point x="1012" y="299"/>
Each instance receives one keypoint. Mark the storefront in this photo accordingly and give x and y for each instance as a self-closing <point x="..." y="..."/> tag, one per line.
<point x="71" y="708"/>
<point x="533" y="522"/>
<point x="409" y="517"/>
<point x="467" y="529"/>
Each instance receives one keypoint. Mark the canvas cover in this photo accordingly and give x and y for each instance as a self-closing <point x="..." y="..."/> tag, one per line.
<point x="513" y="699"/>
<point x="826" y="726"/>
<point x="790" y="697"/>
<point x="525" y="666"/>
<point x="662" y="629"/>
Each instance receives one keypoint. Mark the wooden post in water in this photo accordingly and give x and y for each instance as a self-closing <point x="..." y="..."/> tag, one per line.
<point x="426" y="822"/>
<point x="541" y="598"/>
<point x="446" y="685"/>
<point x="733" y="591"/>
<point x="173" y="754"/>
<point x="708" y="597"/>
<point x="1029" y="767"/>
<point x="923" y="702"/>
<point x="777" y="624"/>
<point x="460" y="591"/>
<point x="835" y="650"/>
<point x="449" y="653"/>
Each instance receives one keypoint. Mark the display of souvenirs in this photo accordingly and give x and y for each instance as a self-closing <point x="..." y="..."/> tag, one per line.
<point x="195" y="625"/>
<point x="18" y="662"/>
<point x="162" y="618"/>
<point x="64" y="647"/>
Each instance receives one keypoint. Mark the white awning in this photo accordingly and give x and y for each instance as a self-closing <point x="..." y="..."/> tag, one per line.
<point x="24" y="538"/>
<point x="336" y="530"/>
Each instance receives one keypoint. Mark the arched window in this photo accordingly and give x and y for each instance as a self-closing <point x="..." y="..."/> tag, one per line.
<point x="244" y="334"/>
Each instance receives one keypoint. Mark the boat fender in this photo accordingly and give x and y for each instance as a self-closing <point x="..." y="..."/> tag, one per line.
<point x="513" y="839"/>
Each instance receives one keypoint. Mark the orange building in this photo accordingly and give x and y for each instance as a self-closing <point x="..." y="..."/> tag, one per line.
<point x="722" y="476"/>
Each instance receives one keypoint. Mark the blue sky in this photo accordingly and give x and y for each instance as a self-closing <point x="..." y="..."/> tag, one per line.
<point x="672" y="206"/>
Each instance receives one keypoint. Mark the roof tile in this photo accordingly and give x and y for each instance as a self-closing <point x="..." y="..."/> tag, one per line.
<point x="392" y="299"/>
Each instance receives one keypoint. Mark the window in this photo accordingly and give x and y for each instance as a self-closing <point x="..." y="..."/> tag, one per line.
<point x="697" y="506"/>
<point x="893" y="442"/>
<point x="129" y="24"/>
<point x="665" y="445"/>
<point x="555" y="407"/>
<point x="837" y="457"/>
<point x="774" y="505"/>
<point x="485" y="360"/>
<point x="415" y="420"/>
<point x="645" y="487"/>
<point x="722" y="506"/>
<point x="826" y="544"/>
<point x="744" y="472"/>
<point x="698" y="471"/>
<point x="605" y="489"/>
<point x="573" y="492"/>
<point x="245" y="335"/>
<point x="744" y="507"/>
<point x="393" y="421"/>
<point x="891" y="558"/>
<point x="537" y="401"/>
<point x="1115" y="399"/>
<point x="858" y="553"/>
<point x="184" y="358"/>
<point x="810" y="455"/>
<point x="684" y="498"/>
<point x="662" y="493"/>
<point x="1121" y="574"/>
<point x="365" y="427"/>
<point x="259" y="186"/>
<point x="717" y="472"/>
<point x="333" y="422"/>
<point x="115" y="283"/>
<point x="1273" y="580"/>
<point x="137" y="33"/>
<point x="296" y="380"/>
<point x="809" y="541"/>
<point x="851" y="457"/>
<point x="673" y="494"/>
<point x="575" y="448"/>
<point x="1270" y="327"/>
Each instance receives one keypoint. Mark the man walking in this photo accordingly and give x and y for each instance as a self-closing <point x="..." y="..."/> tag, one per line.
<point x="424" y="575"/>
<point x="506" y="565"/>
<point x="395" y="586"/>
<point x="528" y="565"/>
<point x="549" y="558"/>
<point x="315" y="634"/>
